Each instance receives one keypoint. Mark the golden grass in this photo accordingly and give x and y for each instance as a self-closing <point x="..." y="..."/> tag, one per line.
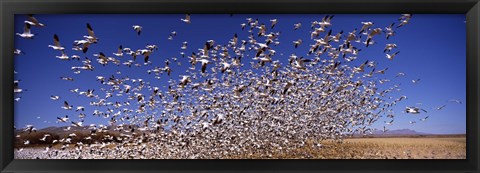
<point x="377" y="148"/>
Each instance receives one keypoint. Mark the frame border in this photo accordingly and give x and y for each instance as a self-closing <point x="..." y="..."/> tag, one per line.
<point x="10" y="7"/>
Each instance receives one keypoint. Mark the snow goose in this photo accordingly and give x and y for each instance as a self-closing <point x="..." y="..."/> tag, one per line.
<point x="365" y="26"/>
<point x="274" y="22"/>
<point x="297" y="26"/>
<point x="137" y="29"/>
<point x="66" y="106"/>
<point x="187" y="18"/>
<point x="54" y="97"/>
<point x="62" y="119"/>
<point x="26" y="32"/>
<point x="297" y="43"/>
<point x="56" y="42"/>
<point x="119" y="51"/>
<point x="391" y="56"/>
<point x="33" y="21"/>
<point x="91" y="35"/>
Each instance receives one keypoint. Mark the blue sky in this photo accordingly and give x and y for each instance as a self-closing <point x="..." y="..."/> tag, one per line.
<point x="433" y="48"/>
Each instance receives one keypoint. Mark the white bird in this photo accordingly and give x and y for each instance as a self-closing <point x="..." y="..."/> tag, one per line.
<point x="137" y="29"/>
<point x="63" y="119"/>
<point x="414" y="110"/>
<point x="18" y="52"/>
<point x="441" y="107"/>
<point x="365" y="26"/>
<point x="297" y="43"/>
<point x="184" y="45"/>
<point x="415" y="81"/>
<point x="91" y="35"/>
<point x="66" y="106"/>
<point x="26" y="32"/>
<point x="243" y="25"/>
<point x="187" y="18"/>
<point x="391" y="56"/>
<point x="33" y="21"/>
<point x="456" y="101"/>
<point x="424" y="119"/>
<point x="389" y="47"/>
<point x="274" y="22"/>
<point x="404" y="19"/>
<point x="64" y="56"/>
<point x="204" y="64"/>
<point x="297" y="26"/>
<point x="77" y="124"/>
<point x="80" y="108"/>
<point x="56" y="43"/>
<point x="54" y="97"/>
<point x="66" y="78"/>
<point x="119" y="51"/>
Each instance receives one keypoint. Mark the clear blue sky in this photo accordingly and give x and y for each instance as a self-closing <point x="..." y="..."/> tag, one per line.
<point x="433" y="48"/>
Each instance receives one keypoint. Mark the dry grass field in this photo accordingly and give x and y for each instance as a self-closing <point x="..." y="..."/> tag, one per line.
<point x="429" y="147"/>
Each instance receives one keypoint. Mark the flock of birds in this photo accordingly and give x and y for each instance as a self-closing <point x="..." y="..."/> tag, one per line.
<point x="218" y="109"/>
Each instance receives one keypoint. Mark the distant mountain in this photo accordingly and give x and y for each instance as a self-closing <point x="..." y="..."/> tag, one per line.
<point x="399" y="132"/>
<point x="393" y="133"/>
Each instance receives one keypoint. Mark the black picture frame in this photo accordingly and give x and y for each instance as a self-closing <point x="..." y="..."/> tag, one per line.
<point x="10" y="7"/>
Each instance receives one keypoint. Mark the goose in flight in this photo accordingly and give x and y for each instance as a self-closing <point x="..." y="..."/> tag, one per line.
<point x="18" y="52"/>
<point x="33" y="21"/>
<point x="389" y="31"/>
<point x="77" y="124"/>
<point x="243" y="25"/>
<point x="366" y="25"/>
<point x="297" y="43"/>
<point x="66" y="78"/>
<point x="26" y="32"/>
<point x="66" y="106"/>
<point x="382" y="71"/>
<point x="391" y="56"/>
<point x="404" y="19"/>
<point x="400" y="74"/>
<point x="91" y="35"/>
<point x="414" y="110"/>
<point x="80" y="108"/>
<point x="389" y="123"/>
<point x="415" y="81"/>
<point x="456" y="101"/>
<point x="441" y="107"/>
<point x="137" y="29"/>
<point x="54" y="97"/>
<point x="64" y="56"/>
<point x="62" y="119"/>
<point x="424" y="119"/>
<point x="297" y="26"/>
<point x="326" y="21"/>
<point x="187" y="18"/>
<point x="274" y="22"/>
<point x="184" y="45"/>
<point x="56" y="42"/>
<point x="204" y="64"/>
<point x="44" y="137"/>
<point x="374" y="32"/>
<point x="389" y="47"/>
<point x="360" y="68"/>
<point x="146" y="54"/>
<point x="119" y="51"/>
<point x="85" y="44"/>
